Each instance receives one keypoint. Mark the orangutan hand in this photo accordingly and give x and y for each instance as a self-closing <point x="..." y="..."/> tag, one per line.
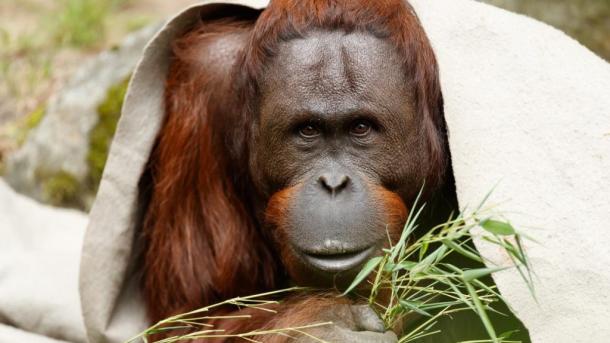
<point x="351" y="324"/>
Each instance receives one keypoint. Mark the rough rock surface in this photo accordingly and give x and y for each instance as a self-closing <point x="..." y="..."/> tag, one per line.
<point x="58" y="147"/>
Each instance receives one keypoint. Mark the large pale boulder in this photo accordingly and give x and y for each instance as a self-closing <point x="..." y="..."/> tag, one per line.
<point x="54" y="157"/>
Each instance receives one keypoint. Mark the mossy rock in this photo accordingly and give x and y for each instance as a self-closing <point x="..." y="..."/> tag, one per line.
<point x="100" y="138"/>
<point x="61" y="189"/>
<point x="29" y="123"/>
<point x="14" y="134"/>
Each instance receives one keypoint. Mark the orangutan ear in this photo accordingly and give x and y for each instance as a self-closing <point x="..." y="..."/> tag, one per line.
<point x="202" y="244"/>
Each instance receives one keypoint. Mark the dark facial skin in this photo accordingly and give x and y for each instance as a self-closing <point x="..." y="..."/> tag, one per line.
<point x="336" y="124"/>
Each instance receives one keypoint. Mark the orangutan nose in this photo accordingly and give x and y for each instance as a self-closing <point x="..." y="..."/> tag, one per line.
<point x="334" y="183"/>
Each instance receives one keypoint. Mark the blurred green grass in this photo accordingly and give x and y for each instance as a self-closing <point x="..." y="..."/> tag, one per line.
<point x="41" y="42"/>
<point x="82" y="23"/>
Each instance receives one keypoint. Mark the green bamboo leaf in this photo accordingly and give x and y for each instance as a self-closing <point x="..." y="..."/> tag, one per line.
<point x="423" y="249"/>
<point x="514" y="251"/>
<point x="407" y="264"/>
<point x="431" y="259"/>
<point x="472" y="274"/>
<point x="390" y="267"/>
<point x="497" y="227"/>
<point x="404" y="265"/>
<point x="506" y="335"/>
<point x="366" y="270"/>
<point x="399" y="249"/>
<point x="443" y="304"/>
<point x="462" y="251"/>
<point x="414" y="306"/>
<point x="491" y="290"/>
<point x="480" y="309"/>
<point x="439" y="254"/>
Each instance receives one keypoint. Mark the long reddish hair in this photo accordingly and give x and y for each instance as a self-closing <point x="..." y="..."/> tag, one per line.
<point x="203" y="243"/>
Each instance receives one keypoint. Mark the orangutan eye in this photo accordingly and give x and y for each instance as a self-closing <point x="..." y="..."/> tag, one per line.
<point x="360" y="128"/>
<point x="309" y="131"/>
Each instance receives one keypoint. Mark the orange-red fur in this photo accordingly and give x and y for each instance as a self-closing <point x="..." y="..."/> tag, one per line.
<point x="395" y="211"/>
<point x="276" y="214"/>
<point x="199" y="234"/>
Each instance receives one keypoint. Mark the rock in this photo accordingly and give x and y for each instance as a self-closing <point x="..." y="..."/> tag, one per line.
<point x="52" y="165"/>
